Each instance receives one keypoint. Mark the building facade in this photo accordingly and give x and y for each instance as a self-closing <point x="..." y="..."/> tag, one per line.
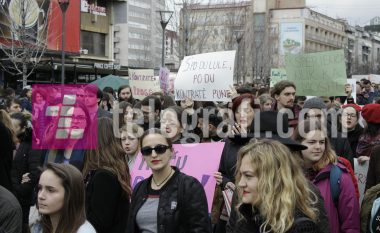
<point x="211" y="27"/>
<point x="375" y="21"/>
<point x="143" y="34"/>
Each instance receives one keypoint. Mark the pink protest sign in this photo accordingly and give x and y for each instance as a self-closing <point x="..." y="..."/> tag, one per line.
<point x="199" y="160"/>
<point x="164" y="79"/>
<point x="64" y="116"/>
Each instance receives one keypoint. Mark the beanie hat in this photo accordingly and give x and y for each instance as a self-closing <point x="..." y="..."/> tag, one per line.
<point x="314" y="103"/>
<point x="355" y="106"/>
<point x="371" y="113"/>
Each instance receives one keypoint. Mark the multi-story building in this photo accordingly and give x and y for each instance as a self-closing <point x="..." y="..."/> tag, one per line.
<point x="140" y="44"/>
<point x="375" y="21"/>
<point x="366" y="52"/>
<point x="211" y="27"/>
<point x="288" y="27"/>
<point x="303" y="30"/>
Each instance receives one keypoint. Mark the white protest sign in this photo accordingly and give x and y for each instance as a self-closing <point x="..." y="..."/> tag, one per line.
<point x="143" y="83"/>
<point x="164" y="79"/>
<point x="361" y="175"/>
<point x="351" y="85"/>
<point x="205" y="77"/>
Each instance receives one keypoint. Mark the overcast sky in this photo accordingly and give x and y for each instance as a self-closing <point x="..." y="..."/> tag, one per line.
<point x="357" y="12"/>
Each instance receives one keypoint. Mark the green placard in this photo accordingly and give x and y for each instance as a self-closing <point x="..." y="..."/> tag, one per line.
<point x="276" y="75"/>
<point x="317" y="74"/>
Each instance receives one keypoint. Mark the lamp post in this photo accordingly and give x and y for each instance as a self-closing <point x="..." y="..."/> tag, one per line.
<point x="165" y="18"/>
<point x="64" y="4"/>
<point x="238" y="36"/>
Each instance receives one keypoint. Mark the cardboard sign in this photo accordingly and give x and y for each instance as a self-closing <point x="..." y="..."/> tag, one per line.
<point x="352" y="83"/>
<point x="164" y="79"/>
<point x="205" y="77"/>
<point x="199" y="160"/>
<point x="318" y="74"/>
<point x="361" y="175"/>
<point x="277" y="75"/>
<point x="143" y="83"/>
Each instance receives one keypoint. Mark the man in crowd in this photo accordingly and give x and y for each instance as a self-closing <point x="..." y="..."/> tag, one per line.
<point x="151" y="109"/>
<point x="367" y="94"/>
<point x="284" y="93"/>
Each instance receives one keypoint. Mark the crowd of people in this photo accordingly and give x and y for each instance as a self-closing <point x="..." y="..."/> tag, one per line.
<point x="287" y="159"/>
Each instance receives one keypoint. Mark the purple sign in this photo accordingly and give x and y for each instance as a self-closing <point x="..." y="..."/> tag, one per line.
<point x="197" y="160"/>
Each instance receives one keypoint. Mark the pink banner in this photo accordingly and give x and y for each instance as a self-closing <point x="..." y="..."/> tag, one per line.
<point x="198" y="160"/>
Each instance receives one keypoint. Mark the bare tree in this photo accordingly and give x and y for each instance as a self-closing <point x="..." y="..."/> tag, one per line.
<point x="24" y="33"/>
<point x="208" y="25"/>
<point x="261" y="42"/>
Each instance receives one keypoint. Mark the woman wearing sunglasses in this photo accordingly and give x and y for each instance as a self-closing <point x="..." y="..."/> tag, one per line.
<point x="168" y="201"/>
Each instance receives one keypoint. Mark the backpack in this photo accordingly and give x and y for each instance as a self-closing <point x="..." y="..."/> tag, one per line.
<point x="335" y="175"/>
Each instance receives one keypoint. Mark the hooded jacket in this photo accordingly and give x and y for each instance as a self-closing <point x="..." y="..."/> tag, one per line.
<point x="345" y="218"/>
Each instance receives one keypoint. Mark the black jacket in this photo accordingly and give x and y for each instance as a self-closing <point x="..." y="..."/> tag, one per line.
<point x="342" y="148"/>
<point x="373" y="174"/>
<point x="26" y="160"/>
<point x="107" y="205"/>
<point x="190" y="214"/>
<point x="228" y="160"/>
<point x="353" y="138"/>
<point x="6" y="157"/>
<point x="251" y="222"/>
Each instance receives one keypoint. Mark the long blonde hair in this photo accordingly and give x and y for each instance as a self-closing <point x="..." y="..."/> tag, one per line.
<point x="282" y="187"/>
<point x="109" y="155"/>
<point x="329" y="156"/>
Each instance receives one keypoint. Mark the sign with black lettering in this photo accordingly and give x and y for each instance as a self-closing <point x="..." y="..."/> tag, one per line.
<point x="205" y="77"/>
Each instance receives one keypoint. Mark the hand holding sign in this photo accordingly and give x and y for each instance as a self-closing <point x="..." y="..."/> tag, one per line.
<point x="232" y="93"/>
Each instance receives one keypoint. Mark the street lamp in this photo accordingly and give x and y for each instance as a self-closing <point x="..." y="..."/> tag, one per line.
<point x="165" y="18"/>
<point x="64" y="4"/>
<point x="238" y="36"/>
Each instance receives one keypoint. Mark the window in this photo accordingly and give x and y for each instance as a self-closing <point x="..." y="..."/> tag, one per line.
<point x="365" y="58"/>
<point x="94" y="42"/>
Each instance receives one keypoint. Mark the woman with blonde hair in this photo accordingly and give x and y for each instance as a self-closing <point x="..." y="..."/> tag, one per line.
<point x="322" y="167"/>
<point x="107" y="181"/>
<point x="274" y="195"/>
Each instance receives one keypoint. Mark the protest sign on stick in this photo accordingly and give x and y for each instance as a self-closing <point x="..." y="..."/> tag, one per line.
<point x="197" y="160"/>
<point x="143" y="83"/>
<point x="164" y="79"/>
<point x="317" y="74"/>
<point x="205" y="77"/>
<point x="361" y="175"/>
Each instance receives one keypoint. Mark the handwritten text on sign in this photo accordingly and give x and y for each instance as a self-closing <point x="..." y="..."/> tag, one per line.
<point x="361" y="174"/>
<point x="143" y="83"/>
<point x="205" y="77"/>
<point x="197" y="160"/>
<point x="317" y="74"/>
<point x="277" y="75"/>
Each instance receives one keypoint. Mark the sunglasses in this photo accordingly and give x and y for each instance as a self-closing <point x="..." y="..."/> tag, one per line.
<point x="159" y="149"/>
